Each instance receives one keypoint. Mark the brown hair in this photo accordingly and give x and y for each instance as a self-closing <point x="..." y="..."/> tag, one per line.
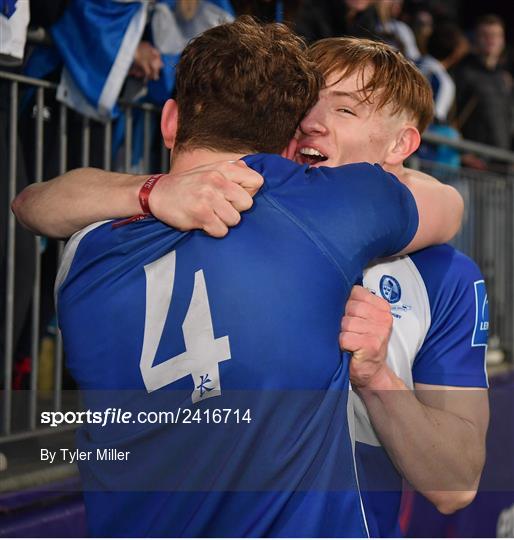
<point x="395" y="80"/>
<point x="489" y="20"/>
<point x="244" y="87"/>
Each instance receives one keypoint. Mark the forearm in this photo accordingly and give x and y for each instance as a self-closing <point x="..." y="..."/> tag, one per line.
<point x="66" y="204"/>
<point x="440" y="208"/>
<point x="439" y="453"/>
<point x="208" y="197"/>
<point x="443" y="203"/>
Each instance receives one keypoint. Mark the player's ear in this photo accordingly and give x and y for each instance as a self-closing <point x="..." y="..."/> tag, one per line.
<point x="169" y="123"/>
<point x="406" y="142"/>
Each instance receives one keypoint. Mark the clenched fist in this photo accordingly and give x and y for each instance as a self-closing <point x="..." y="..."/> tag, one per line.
<point x="209" y="197"/>
<point x="365" y="332"/>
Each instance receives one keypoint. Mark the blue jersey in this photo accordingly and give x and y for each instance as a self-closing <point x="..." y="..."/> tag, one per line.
<point x="441" y="321"/>
<point x="158" y="320"/>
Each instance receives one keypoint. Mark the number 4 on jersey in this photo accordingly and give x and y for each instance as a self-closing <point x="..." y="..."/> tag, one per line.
<point x="203" y="352"/>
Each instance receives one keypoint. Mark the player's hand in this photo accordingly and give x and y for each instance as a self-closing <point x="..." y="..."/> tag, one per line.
<point x="147" y="62"/>
<point x="209" y="197"/>
<point x="365" y="331"/>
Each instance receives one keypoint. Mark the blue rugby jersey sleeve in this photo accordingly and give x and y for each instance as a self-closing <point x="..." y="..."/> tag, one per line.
<point x="454" y="350"/>
<point x="354" y="213"/>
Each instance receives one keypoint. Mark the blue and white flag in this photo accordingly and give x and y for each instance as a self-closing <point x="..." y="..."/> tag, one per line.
<point x="14" y="20"/>
<point x="97" y="40"/>
<point x="171" y="32"/>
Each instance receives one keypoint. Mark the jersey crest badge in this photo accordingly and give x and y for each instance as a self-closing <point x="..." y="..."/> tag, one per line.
<point x="390" y="289"/>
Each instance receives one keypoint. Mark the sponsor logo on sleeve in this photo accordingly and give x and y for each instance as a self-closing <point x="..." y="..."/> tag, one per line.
<point x="481" y="330"/>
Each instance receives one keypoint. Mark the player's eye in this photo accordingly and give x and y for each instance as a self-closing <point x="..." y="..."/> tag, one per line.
<point x="346" y="111"/>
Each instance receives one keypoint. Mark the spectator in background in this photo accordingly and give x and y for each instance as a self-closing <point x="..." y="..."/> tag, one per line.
<point x="331" y="18"/>
<point x="117" y="32"/>
<point x="372" y="19"/>
<point x="423" y="25"/>
<point x="104" y="50"/>
<point x="394" y="31"/>
<point x="484" y="90"/>
<point x="446" y="46"/>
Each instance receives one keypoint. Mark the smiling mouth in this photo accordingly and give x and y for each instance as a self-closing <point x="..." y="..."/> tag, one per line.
<point x="311" y="156"/>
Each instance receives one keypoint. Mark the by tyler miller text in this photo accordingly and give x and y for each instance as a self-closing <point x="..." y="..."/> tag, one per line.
<point x="67" y="455"/>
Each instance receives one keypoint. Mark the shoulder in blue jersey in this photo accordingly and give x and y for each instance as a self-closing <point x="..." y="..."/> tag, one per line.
<point x="356" y="209"/>
<point x="454" y="350"/>
<point x="158" y="320"/>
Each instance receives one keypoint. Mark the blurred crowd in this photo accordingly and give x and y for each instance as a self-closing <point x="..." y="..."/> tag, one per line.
<point x="99" y="52"/>
<point x="469" y="68"/>
<point x="102" y="50"/>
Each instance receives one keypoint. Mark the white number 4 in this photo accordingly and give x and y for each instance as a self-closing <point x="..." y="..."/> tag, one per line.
<point x="203" y="352"/>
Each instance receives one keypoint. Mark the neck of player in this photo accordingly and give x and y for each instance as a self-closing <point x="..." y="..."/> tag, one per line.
<point x="397" y="170"/>
<point x="190" y="159"/>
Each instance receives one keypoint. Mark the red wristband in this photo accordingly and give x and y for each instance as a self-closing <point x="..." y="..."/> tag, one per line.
<point x="144" y="192"/>
<point x="144" y="195"/>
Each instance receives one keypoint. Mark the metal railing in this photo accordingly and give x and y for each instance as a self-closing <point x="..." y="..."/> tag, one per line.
<point x="29" y="402"/>
<point x="472" y="147"/>
<point x="486" y="236"/>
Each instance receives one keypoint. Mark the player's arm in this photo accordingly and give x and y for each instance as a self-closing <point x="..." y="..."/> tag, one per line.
<point x="209" y="197"/>
<point x="393" y="216"/>
<point x="440" y="209"/>
<point x="435" y="436"/>
<point x="66" y="204"/>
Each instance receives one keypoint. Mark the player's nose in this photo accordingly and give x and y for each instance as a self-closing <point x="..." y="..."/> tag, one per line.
<point x="313" y="123"/>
